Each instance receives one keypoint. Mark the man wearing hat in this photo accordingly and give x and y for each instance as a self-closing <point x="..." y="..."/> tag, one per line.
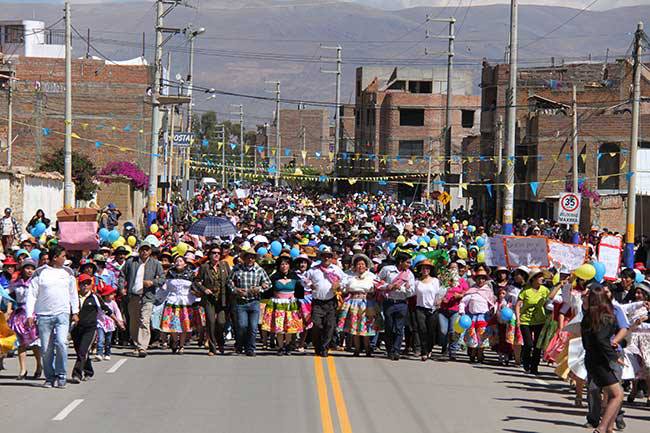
<point x="9" y="229"/>
<point x="247" y="281"/>
<point x="324" y="280"/>
<point x="139" y="279"/>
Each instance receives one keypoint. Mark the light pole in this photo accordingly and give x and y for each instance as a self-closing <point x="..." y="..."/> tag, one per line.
<point x="191" y="33"/>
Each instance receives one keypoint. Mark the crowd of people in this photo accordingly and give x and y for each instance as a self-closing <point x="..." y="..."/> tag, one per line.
<point x="301" y="271"/>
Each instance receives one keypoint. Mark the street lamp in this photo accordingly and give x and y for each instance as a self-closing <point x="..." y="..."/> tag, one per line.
<point x="191" y="33"/>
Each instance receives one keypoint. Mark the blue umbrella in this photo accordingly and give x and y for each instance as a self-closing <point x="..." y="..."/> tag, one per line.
<point x="212" y="226"/>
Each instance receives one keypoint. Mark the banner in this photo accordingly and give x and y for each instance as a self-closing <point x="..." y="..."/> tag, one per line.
<point x="495" y="254"/>
<point x="566" y="257"/>
<point x="526" y="251"/>
<point x="610" y="256"/>
<point x="78" y="235"/>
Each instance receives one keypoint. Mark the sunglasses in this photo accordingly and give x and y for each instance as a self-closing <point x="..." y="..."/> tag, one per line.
<point x="212" y="253"/>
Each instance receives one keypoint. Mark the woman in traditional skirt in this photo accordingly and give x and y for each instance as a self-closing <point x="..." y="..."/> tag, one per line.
<point x="477" y="303"/>
<point x="357" y="316"/>
<point x="282" y="314"/>
<point x="27" y="337"/>
<point x="178" y="297"/>
<point x="301" y="265"/>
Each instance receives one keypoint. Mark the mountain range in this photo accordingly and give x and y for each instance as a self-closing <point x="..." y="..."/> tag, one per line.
<point x="260" y="40"/>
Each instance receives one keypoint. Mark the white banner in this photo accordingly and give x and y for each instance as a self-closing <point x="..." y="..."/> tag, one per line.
<point x="611" y="258"/>
<point x="526" y="251"/>
<point x="495" y="254"/>
<point x="566" y="257"/>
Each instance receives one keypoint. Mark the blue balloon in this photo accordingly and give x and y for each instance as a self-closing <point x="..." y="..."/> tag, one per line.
<point x="261" y="251"/>
<point x="316" y="229"/>
<point x="600" y="271"/>
<point x="38" y="230"/>
<point x="480" y="242"/>
<point x="465" y="322"/>
<point x="639" y="277"/>
<point x="427" y="239"/>
<point x="35" y="254"/>
<point x="295" y="252"/>
<point x="113" y="235"/>
<point x="506" y="314"/>
<point x="421" y="239"/>
<point x="322" y="247"/>
<point x="418" y="259"/>
<point x="471" y="229"/>
<point x="391" y="246"/>
<point x="103" y="234"/>
<point x="276" y="248"/>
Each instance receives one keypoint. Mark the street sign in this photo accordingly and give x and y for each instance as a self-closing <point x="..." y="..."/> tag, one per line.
<point x="183" y="139"/>
<point x="569" y="211"/>
<point x="444" y="198"/>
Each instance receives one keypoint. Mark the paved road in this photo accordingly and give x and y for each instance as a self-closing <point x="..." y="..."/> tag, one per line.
<point x="270" y="394"/>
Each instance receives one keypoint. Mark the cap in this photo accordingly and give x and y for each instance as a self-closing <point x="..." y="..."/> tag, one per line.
<point x="9" y="261"/>
<point x="84" y="277"/>
<point x="523" y="269"/>
<point x="107" y="290"/>
<point x="28" y="262"/>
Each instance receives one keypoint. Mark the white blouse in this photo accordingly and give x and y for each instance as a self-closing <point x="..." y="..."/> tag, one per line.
<point x="361" y="284"/>
<point x="428" y="294"/>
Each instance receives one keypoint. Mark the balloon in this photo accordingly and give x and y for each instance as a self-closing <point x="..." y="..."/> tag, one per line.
<point x="556" y="279"/>
<point x="261" y="251"/>
<point x="465" y="223"/>
<point x="113" y="235"/>
<point x="418" y="259"/>
<point x="433" y="242"/>
<point x="638" y="278"/>
<point x="391" y="246"/>
<point x="471" y="229"/>
<point x="35" y="254"/>
<point x="182" y="248"/>
<point x="450" y="235"/>
<point x="276" y="248"/>
<point x="465" y="322"/>
<point x="118" y="243"/>
<point x="316" y="229"/>
<point x="480" y="241"/>
<point x="506" y="314"/>
<point x="457" y="329"/>
<point x="38" y="230"/>
<point x="462" y="253"/>
<point x="295" y="252"/>
<point x="423" y="243"/>
<point x="441" y="239"/>
<point x="480" y="257"/>
<point x="33" y="232"/>
<point x="153" y="228"/>
<point x="600" y="271"/>
<point x="427" y="239"/>
<point x="131" y="240"/>
<point x="455" y="226"/>
<point x="400" y="240"/>
<point x="103" y="234"/>
<point x="585" y="272"/>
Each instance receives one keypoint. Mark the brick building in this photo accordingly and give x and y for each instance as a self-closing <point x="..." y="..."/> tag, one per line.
<point x="400" y="113"/>
<point x="544" y="139"/>
<point x="110" y="103"/>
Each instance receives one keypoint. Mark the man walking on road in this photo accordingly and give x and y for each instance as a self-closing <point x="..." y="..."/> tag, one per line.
<point x="52" y="297"/>
<point x="247" y="281"/>
<point x="139" y="279"/>
<point x="9" y="230"/>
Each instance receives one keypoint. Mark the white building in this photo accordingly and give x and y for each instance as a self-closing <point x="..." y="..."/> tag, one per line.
<point x="30" y="39"/>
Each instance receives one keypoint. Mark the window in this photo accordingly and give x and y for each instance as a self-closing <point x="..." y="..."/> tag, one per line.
<point x="408" y="148"/>
<point x="411" y="117"/>
<point x="398" y="85"/>
<point x="420" y="86"/>
<point x="14" y="34"/>
<point x="467" y="118"/>
<point x="608" y="166"/>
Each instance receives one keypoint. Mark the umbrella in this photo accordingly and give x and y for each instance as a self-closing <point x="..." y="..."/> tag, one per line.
<point x="211" y="227"/>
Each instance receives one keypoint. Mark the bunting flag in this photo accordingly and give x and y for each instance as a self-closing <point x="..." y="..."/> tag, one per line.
<point x="331" y="156"/>
<point x="629" y="175"/>
<point x="600" y="155"/>
<point x="287" y="152"/>
<point x="127" y="128"/>
<point x="85" y="126"/>
<point x="411" y="161"/>
<point x="246" y="148"/>
<point x="555" y="158"/>
<point x="464" y="185"/>
<point x="382" y="183"/>
<point x="274" y="151"/>
<point x="205" y="142"/>
<point x="233" y="146"/>
<point x="470" y="159"/>
<point x="46" y="131"/>
<point x="584" y="158"/>
<point x="272" y="169"/>
<point x="509" y="187"/>
<point x="260" y="149"/>
<point x="488" y="186"/>
<point x="383" y="160"/>
<point x="525" y="158"/>
<point x="304" y="156"/>
<point x="623" y="164"/>
<point x="567" y="156"/>
<point x="219" y="145"/>
<point x="352" y="181"/>
<point x="533" y="188"/>
<point x="612" y="154"/>
<point x="67" y="122"/>
<point x="98" y="144"/>
<point x="74" y="135"/>
<point x="605" y="177"/>
<point x="317" y="155"/>
<point x="409" y="184"/>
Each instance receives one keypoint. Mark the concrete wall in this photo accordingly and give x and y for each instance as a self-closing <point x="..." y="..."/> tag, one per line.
<point x="128" y="200"/>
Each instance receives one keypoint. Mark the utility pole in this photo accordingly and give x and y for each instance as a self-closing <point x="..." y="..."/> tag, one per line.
<point x="278" y="144"/>
<point x="576" y="227"/>
<point x="241" y="139"/>
<point x="511" y="101"/>
<point x="337" y="114"/>
<point x="68" y="195"/>
<point x="191" y="35"/>
<point x="221" y="138"/>
<point x="10" y="118"/>
<point x="88" y="43"/>
<point x="634" y="141"/>
<point x="499" y="156"/>
<point x="428" y="201"/>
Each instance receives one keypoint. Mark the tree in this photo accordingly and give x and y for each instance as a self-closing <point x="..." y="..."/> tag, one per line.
<point x="83" y="172"/>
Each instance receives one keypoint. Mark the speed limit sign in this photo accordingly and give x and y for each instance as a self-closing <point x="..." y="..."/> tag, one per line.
<point x="569" y="210"/>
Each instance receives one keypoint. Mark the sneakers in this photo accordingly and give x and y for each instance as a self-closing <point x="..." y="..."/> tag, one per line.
<point x="107" y="357"/>
<point x="98" y="358"/>
<point x="60" y="384"/>
<point x="48" y="384"/>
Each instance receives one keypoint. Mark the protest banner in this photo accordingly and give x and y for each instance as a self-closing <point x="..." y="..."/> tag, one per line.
<point x="612" y="241"/>
<point x="566" y="257"/>
<point x="78" y="235"/>
<point x="495" y="254"/>
<point x="526" y="251"/>
<point x="610" y="256"/>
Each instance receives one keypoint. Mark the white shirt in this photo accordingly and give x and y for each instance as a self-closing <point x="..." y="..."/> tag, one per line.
<point x="52" y="291"/>
<point x="360" y="284"/>
<point x="428" y="294"/>
<point x="7" y="226"/>
<point x="406" y="289"/>
<point x="138" y="284"/>
<point x="321" y="286"/>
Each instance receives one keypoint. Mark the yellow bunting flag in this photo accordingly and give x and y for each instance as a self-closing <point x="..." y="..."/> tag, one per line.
<point x="331" y="156"/>
<point x="219" y="144"/>
<point x="525" y="158"/>
<point x="274" y="151"/>
<point x="304" y="155"/>
<point x="246" y="147"/>
<point x="409" y="184"/>
<point x="74" y="135"/>
<point x="623" y="164"/>
<point x="509" y="187"/>
<point x="352" y="181"/>
<point x="464" y="185"/>
<point x="584" y="158"/>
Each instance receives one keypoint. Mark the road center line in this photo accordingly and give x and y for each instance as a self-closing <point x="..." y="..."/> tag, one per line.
<point x="115" y="366"/>
<point x="66" y="411"/>
<point x="341" y="409"/>
<point x="323" y="399"/>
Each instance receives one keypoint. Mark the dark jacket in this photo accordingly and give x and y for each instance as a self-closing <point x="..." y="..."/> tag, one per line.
<point x="89" y="309"/>
<point x="217" y="281"/>
<point x="153" y="271"/>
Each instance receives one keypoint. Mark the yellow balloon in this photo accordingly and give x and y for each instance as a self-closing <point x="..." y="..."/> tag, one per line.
<point x="462" y="253"/>
<point x="131" y="241"/>
<point x="118" y="243"/>
<point x="450" y="235"/>
<point x="556" y="279"/>
<point x="455" y="226"/>
<point x="423" y="244"/>
<point x="457" y="328"/>
<point x="400" y="240"/>
<point x="153" y="228"/>
<point x="128" y="249"/>
<point x="433" y="242"/>
<point x="465" y="223"/>
<point x="585" y="272"/>
<point x="182" y="248"/>
<point x="481" y="257"/>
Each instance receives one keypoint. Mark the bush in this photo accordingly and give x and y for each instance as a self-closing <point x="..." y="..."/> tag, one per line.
<point x="83" y="173"/>
<point x="139" y="178"/>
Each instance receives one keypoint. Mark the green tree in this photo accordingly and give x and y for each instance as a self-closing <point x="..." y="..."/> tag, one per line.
<point x="83" y="172"/>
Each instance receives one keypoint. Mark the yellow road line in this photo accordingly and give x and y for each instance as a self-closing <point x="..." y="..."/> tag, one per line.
<point x="341" y="409"/>
<point x="323" y="399"/>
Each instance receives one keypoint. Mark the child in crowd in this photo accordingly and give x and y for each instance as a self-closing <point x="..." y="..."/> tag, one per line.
<point x="106" y="325"/>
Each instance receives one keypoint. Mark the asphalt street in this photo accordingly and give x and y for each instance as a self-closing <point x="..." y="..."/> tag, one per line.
<point x="302" y="393"/>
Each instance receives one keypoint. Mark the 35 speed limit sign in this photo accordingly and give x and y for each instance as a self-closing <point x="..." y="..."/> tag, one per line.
<point x="569" y="210"/>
